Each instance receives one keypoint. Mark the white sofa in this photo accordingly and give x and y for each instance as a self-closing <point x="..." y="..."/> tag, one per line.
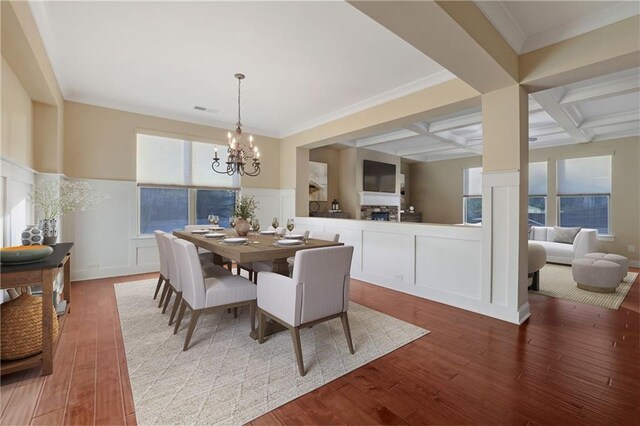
<point x="585" y="242"/>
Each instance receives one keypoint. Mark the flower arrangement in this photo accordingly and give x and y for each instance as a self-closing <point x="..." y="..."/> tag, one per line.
<point x="245" y="208"/>
<point x="55" y="199"/>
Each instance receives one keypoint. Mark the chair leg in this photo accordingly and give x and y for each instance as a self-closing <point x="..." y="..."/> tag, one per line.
<point x="347" y="330"/>
<point x="176" y="304"/>
<point x="160" y="279"/>
<point x="252" y="315"/>
<point x="166" y="300"/>
<point x="297" y="347"/>
<point x="255" y="277"/>
<point x="235" y="312"/>
<point x="192" y="326"/>
<point x="261" y="325"/>
<point x="165" y="289"/>
<point x="237" y="269"/>
<point x="183" y="307"/>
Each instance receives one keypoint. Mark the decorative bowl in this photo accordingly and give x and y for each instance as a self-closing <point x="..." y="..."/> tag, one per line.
<point x="24" y="254"/>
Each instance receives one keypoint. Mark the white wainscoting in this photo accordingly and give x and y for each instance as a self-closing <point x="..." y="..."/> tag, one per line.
<point x="437" y="262"/>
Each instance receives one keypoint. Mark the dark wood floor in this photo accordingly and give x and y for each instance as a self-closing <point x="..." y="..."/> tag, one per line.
<point x="569" y="364"/>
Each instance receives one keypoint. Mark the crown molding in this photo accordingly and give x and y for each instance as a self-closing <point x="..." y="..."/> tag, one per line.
<point x="406" y="89"/>
<point x="503" y="21"/>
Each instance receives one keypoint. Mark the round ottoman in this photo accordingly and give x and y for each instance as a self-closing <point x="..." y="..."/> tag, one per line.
<point x="616" y="258"/>
<point x="537" y="259"/>
<point x="601" y="276"/>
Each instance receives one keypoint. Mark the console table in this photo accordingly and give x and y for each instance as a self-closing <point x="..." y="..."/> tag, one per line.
<point x="41" y="273"/>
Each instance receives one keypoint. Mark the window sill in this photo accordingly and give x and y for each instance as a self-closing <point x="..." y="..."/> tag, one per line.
<point x="609" y="238"/>
<point x="144" y="237"/>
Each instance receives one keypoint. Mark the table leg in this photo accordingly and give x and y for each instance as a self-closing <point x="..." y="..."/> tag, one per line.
<point x="47" y="320"/>
<point x="280" y="266"/>
<point x="217" y="259"/>
<point x="67" y="282"/>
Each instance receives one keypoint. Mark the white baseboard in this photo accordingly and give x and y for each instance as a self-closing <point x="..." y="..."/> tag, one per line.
<point x="92" y="274"/>
<point x="634" y="263"/>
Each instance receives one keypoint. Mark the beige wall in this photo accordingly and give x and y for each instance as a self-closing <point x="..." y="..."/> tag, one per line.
<point x="17" y="119"/>
<point x="437" y="188"/>
<point x="329" y="156"/>
<point x="100" y="143"/>
<point x="347" y="194"/>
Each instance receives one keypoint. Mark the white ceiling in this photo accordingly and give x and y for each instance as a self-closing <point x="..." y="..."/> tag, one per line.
<point x="305" y="62"/>
<point x="602" y="108"/>
<point x="531" y="25"/>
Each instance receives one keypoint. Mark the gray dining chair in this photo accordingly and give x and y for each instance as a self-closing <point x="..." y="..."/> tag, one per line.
<point x="203" y="295"/>
<point x="317" y="292"/>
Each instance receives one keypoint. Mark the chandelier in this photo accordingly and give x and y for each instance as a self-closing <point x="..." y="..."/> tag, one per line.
<point x="238" y="154"/>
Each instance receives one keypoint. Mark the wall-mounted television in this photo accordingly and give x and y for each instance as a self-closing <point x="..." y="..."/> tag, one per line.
<point x="379" y="177"/>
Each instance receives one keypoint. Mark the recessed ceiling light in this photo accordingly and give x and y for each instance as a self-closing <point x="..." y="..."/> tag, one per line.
<point x="206" y="109"/>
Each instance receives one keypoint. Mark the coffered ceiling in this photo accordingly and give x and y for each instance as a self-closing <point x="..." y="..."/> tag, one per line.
<point x="589" y="111"/>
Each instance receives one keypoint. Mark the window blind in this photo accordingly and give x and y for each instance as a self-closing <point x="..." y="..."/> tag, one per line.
<point x="538" y="178"/>
<point x="589" y="175"/>
<point x="473" y="181"/>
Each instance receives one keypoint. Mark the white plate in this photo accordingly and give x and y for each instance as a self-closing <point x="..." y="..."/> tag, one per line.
<point x="289" y="242"/>
<point x="199" y="231"/>
<point x="294" y="236"/>
<point x="214" y="235"/>
<point x="267" y="232"/>
<point x="216" y="228"/>
<point x="235" y="240"/>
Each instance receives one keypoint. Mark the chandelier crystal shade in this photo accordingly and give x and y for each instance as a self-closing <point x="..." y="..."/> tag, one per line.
<point x="238" y="153"/>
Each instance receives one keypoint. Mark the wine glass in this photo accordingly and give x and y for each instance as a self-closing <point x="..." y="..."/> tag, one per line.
<point x="232" y="222"/>
<point x="275" y="223"/>
<point x="256" y="225"/>
<point x="290" y="226"/>
<point x="213" y="219"/>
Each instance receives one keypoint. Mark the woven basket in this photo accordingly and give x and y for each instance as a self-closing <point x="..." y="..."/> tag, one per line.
<point x="21" y="327"/>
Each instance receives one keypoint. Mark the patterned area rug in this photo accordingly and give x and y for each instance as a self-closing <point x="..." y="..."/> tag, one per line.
<point x="557" y="281"/>
<point x="225" y="377"/>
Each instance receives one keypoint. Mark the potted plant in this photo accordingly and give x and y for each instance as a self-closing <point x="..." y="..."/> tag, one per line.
<point x="244" y="210"/>
<point x="54" y="199"/>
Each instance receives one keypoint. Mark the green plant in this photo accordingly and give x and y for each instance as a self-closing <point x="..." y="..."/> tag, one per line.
<point x="245" y="208"/>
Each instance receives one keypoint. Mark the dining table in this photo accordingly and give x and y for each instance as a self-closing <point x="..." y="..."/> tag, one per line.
<point x="257" y="248"/>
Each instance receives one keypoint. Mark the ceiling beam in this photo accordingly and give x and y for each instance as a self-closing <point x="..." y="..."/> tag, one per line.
<point x="386" y="137"/>
<point x="423" y="150"/>
<point x="453" y="34"/>
<point x="559" y="115"/>
<point x="607" y="120"/>
<point x="606" y="89"/>
<point x="456" y="123"/>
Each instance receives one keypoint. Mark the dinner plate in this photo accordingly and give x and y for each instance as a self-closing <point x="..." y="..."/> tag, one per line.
<point x="289" y="242"/>
<point x="235" y="240"/>
<point x="216" y="228"/>
<point x="267" y="232"/>
<point x="199" y="231"/>
<point x="214" y="235"/>
<point x="294" y="237"/>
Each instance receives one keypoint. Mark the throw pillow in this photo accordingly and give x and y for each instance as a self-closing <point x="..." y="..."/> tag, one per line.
<point x="565" y="235"/>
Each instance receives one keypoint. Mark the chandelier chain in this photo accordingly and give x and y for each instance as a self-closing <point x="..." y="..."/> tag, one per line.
<point x="239" y="120"/>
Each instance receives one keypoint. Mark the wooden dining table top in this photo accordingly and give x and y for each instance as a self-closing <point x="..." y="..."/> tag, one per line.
<point x="259" y="247"/>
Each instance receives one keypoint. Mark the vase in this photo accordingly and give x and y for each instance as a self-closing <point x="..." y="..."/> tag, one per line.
<point x="242" y="227"/>
<point x="31" y="236"/>
<point x="49" y="229"/>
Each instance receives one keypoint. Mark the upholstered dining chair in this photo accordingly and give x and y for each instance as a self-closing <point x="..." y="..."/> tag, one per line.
<point x="318" y="235"/>
<point x="265" y="266"/>
<point x="202" y="252"/>
<point x="317" y="292"/>
<point x="254" y="267"/>
<point x="174" y="285"/>
<point x="164" y="267"/>
<point x="202" y="295"/>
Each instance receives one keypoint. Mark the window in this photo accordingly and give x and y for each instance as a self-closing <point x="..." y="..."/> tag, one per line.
<point x="584" y="192"/>
<point x="538" y="193"/>
<point x="472" y="201"/>
<point x="178" y="187"/>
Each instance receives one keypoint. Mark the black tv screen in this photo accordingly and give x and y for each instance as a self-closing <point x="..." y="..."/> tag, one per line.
<point x="379" y="177"/>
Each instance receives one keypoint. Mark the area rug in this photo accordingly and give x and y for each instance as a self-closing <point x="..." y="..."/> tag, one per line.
<point x="557" y="281"/>
<point x="225" y="377"/>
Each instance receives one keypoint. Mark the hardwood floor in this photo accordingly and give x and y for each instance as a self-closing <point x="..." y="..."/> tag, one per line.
<point x="570" y="364"/>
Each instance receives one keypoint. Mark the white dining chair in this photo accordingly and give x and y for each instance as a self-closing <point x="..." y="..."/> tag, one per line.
<point x="317" y="235"/>
<point x="202" y="295"/>
<point x="202" y="252"/>
<point x="164" y="269"/>
<point x="254" y="267"/>
<point x="317" y="292"/>
<point x="174" y="286"/>
<point x="266" y="266"/>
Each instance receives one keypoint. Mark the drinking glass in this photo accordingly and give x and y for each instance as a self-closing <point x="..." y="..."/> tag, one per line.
<point x="213" y="219"/>
<point x="256" y="225"/>
<point x="290" y="226"/>
<point x="275" y="223"/>
<point x="232" y="221"/>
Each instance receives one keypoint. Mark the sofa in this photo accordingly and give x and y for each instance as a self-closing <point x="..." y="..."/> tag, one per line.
<point x="586" y="241"/>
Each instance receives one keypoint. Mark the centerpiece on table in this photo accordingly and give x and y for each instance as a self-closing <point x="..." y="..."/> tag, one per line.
<point x="244" y="210"/>
<point x="54" y="199"/>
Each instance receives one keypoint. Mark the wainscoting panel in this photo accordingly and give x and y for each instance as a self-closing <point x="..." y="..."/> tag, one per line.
<point x="388" y="255"/>
<point x="449" y="265"/>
